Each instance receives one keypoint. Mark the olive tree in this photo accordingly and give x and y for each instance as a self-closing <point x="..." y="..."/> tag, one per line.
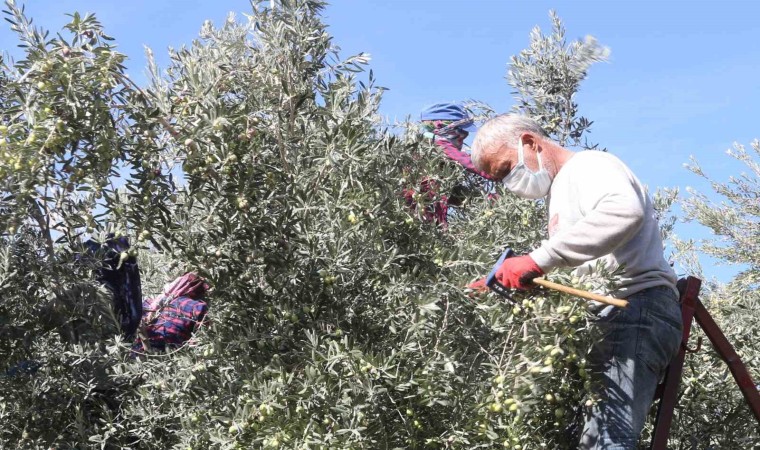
<point x="546" y="77"/>
<point x="339" y="314"/>
<point x="711" y="410"/>
<point x="69" y="118"/>
<point x="339" y="317"/>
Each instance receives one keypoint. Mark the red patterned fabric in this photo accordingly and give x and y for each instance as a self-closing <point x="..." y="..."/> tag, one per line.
<point x="175" y="321"/>
<point x="188" y="285"/>
<point x="170" y="319"/>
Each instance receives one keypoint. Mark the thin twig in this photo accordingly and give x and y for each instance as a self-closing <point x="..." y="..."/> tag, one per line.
<point x="443" y="325"/>
<point x="37" y="214"/>
<point x="283" y="154"/>
<point x="482" y="349"/>
<point x="163" y="121"/>
<point x="504" y="350"/>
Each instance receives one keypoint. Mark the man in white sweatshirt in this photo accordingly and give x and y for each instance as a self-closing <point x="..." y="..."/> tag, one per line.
<point x="598" y="210"/>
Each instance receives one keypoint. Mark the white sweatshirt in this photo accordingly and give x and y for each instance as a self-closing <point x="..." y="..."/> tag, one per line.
<point x="599" y="210"/>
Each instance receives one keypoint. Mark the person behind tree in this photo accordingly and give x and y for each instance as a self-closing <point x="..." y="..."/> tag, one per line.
<point x="448" y="125"/>
<point x="598" y="211"/>
<point x="170" y="319"/>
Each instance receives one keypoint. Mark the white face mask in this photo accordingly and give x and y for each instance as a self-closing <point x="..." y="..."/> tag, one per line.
<point x="524" y="183"/>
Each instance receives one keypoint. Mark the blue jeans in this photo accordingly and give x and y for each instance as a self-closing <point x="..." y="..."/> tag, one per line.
<point x="627" y="363"/>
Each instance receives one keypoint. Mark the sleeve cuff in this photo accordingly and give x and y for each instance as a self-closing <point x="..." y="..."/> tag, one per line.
<point x="543" y="259"/>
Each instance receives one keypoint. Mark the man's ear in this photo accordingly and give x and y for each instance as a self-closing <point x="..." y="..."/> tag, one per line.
<point x="529" y="139"/>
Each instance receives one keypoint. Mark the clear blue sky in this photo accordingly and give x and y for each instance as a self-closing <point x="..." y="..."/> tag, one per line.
<point x="682" y="79"/>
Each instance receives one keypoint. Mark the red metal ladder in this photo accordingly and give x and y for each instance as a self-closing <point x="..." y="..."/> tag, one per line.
<point x="692" y="308"/>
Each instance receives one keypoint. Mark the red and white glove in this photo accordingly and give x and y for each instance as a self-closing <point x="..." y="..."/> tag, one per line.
<point x="478" y="285"/>
<point x="518" y="272"/>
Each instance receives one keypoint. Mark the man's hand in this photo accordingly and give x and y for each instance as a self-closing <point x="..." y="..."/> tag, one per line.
<point x="478" y="285"/>
<point x="518" y="272"/>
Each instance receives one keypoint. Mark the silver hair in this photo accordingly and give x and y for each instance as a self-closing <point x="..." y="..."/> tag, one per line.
<point x="500" y="130"/>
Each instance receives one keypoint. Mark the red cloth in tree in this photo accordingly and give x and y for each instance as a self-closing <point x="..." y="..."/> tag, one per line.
<point x="170" y="319"/>
<point x="188" y="285"/>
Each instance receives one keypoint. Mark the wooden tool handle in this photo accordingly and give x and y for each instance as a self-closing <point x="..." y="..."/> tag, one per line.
<point x="579" y="293"/>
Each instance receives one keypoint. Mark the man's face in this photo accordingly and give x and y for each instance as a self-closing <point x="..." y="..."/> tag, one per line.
<point x="496" y="163"/>
<point x="499" y="163"/>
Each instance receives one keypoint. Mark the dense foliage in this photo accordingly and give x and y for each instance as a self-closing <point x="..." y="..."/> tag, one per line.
<point x="711" y="405"/>
<point x="258" y="159"/>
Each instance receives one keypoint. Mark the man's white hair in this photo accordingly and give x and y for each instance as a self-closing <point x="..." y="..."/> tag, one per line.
<point x="500" y="130"/>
